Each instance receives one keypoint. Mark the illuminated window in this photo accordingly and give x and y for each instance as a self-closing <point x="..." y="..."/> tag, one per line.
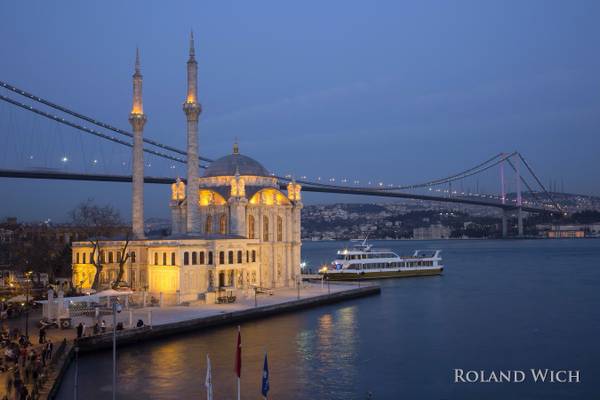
<point x="208" y="225"/>
<point x="132" y="255"/>
<point x="239" y="257"/>
<point x="223" y="224"/>
<point x="84" y="257"/>
<point x="172" y="258"/>
<point x="251" y="227"/>
<point x="265" y="229"/>
<point x="77" y="258"/>
<point x="194" y="258"/>
<point x="201" y="257"/>
<point x="221" y="257"/>
<point x="110" y="257"/>
<point x="247" y="256"/>
<point x="210" y="257"/>
<point x="102" y="258"/>
<point x="155" y="258"/>
<point x="253" y="255"/>
<point x="118" y="256"/>
<point x="186" y="258"/>
<point x="164" y="259"/>
<point x="230" y="257"/>
<point x="279" y="229"/>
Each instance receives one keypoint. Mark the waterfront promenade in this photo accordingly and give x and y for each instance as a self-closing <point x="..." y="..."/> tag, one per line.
<point x="170" y="320"/>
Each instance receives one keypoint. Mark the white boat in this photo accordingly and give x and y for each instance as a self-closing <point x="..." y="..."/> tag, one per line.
<point x="362" y="261"/>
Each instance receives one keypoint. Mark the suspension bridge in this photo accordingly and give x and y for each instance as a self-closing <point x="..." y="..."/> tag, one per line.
<point x="509" y="167"/>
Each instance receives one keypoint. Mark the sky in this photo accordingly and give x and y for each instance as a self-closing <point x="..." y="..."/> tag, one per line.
<point x="391" y="91"/>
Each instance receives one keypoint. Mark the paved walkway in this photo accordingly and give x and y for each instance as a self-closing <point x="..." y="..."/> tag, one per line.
<point x="167" y="315"/>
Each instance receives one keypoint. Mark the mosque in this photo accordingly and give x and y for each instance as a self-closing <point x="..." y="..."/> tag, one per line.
<point x="232" y="227"/>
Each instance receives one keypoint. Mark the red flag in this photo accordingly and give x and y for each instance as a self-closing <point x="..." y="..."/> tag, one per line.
<point x="238" y="355"/>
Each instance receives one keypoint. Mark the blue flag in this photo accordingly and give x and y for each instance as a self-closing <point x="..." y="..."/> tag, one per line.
<point x="265" y="378"/>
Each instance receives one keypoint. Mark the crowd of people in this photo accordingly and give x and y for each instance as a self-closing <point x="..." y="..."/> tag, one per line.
<point x="24" y="363"/>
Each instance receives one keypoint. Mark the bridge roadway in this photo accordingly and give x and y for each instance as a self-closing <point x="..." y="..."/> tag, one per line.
<point x="58" y="175"/>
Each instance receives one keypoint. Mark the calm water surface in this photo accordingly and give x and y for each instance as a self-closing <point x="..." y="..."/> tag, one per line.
<point x="499" y="305"/>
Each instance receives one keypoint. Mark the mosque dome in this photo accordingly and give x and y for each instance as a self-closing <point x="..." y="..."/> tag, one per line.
<point x="235" y="163"/>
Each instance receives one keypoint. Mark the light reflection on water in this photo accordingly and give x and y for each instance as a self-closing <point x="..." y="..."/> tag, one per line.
<point x="500" y="304"/>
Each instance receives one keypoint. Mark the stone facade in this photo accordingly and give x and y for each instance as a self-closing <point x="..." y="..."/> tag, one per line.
<point x="231" y="228"/>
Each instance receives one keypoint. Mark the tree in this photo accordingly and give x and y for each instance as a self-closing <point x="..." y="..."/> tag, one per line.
<point x="94" y="224"/>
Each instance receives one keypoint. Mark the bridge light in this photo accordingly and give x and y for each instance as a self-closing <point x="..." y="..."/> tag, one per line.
<point x="64" y="159"/>
<point x="95" y="162"/>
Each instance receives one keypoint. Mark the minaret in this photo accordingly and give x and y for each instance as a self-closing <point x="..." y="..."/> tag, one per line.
<point x="192" y="110"/>
<point x="137" y="119"/>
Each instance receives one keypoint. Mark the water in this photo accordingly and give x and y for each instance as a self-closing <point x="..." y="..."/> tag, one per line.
<point x="499" y="305"/>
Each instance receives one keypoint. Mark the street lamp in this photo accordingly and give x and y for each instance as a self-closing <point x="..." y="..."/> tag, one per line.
<point x="27" y="280"/>
<point x="116" y="308"/>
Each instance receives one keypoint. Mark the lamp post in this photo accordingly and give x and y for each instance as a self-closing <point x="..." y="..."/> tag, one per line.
<point x="116" y="308"/>
<point x="75" y="387"/>
<point x="27" y="275"/>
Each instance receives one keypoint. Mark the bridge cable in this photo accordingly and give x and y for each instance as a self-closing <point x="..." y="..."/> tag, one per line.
<point x="92" y="120"/>
<point x="558" y="207"/>
<point x="89" y="130"/>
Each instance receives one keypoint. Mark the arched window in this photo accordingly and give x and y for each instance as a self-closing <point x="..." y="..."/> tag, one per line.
<point x="84" y="257"/>
<point x="223" y="224"/>
<point x="230" y="257"/>
<point x="110" y="257"/>
<point x="102" y="258"/>
<point x="164" y="259"/>
<point x="132" y="255"/>
<point x="76" y="258"/>
<point x="208" y="225"/>
<point x="253" y="255"/>
<point x="221" y="257"/>
<point x="265" y="229"/>
<point x="247" y="256"/>
<point x="186" y="258"/>
<point x="279" y="229"/>
<point x="172" y="258"/>
<point x="239" y="257"/>
<point x="251" y="227"/>
<point x="118" y="256"/>
<point x="201" y="257"/>
<point x="210" y="258"/>
<point x="155" y="258"/>
<point x="194" y="258"/>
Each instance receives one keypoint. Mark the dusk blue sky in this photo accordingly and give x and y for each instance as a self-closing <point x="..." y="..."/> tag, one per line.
<point x="394" y="91"/>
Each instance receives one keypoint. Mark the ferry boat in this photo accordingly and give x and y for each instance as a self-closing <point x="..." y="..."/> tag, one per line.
<point x="362" y="261"/>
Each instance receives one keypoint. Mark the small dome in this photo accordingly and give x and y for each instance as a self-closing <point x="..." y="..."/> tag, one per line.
<point x="236" y="162"/>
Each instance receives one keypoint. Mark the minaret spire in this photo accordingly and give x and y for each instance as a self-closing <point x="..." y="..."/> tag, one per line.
<point x="192" y="110"/>
<point x="137" y="119"/>
<point x="192" y="50"/>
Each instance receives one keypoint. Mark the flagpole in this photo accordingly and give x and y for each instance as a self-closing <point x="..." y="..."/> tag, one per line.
<point x="238" y="362"/>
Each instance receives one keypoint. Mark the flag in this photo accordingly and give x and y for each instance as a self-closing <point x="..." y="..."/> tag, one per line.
<point x="265" y="378"/>
<point x="208" y="381"/>
<point x="238" y="355"/>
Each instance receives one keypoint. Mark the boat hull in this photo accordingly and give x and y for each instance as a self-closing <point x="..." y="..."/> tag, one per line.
<point x="353" y="276"/>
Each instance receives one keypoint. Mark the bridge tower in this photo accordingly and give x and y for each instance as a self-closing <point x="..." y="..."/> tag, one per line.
<point x="192" y="110"/>
<point x="503" y="198"/>
<point x="519" y="198"/>
<point x="137" y="119"/>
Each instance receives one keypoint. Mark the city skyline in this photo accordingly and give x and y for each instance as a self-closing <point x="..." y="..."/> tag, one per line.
<point x="348" y="98"/>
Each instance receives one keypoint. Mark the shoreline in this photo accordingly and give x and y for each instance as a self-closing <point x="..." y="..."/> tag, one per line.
<point x="130" y="337"/>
